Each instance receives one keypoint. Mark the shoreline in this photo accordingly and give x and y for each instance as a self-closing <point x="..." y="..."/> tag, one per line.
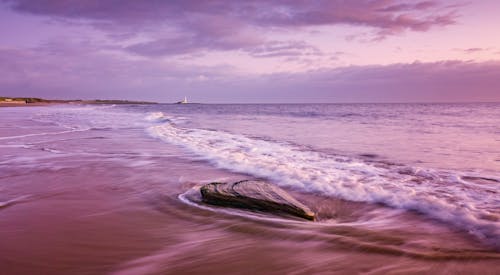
<point x="29" y="101"/>
<point x="28" y="104"/>
<point x="38" y="104"/>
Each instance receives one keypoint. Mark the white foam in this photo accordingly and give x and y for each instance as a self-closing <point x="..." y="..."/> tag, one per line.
<point x="435" y="193"/>
<point x="78" y="118"/>
<point x="160" y="117"/>
<point x="50" y="150"/>
<point x="157" y="117"/>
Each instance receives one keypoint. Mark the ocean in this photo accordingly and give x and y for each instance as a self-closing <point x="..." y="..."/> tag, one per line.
<point x="397" y="188"/>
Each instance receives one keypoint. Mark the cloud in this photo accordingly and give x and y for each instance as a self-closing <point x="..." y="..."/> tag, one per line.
<point x="284" y="49"/>
<point x="179" y="27"/>
<point x="474" y="50"/>
<point x="187" y="43"/>
<point x="409" y="6"/>
<point x="445" y="81"/>
<point x="92" y="74"/>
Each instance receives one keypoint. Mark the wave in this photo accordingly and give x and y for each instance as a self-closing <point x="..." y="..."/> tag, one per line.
<point x="440" y="194"/>
<point x="20" y="199"/>
<point x="157" y="117"/>
<point x="160" y="117"/>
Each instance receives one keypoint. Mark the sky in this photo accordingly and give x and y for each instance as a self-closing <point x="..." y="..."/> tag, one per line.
<point x="254" y="51"/>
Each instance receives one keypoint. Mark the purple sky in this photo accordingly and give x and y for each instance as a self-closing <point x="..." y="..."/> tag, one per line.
<point x="251" y="51"/>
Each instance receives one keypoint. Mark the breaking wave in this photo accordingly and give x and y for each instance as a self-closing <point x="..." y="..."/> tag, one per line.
<point x="449" y="196"/>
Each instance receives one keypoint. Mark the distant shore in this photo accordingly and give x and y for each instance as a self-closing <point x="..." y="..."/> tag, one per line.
<point x="29" y="102"/>
<point x="2" y="104"/>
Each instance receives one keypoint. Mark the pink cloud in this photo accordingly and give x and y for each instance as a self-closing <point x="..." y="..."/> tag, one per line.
<point x="232" y="25"/>
<point x="285" y="49"/>
<point x="410" y="6"/>
<point x="473" y="50"/>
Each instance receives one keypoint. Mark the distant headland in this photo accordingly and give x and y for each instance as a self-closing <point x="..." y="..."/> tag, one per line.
<point x="25" y="101"/>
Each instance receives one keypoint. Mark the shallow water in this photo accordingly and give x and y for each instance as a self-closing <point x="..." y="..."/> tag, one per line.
<point x="408" y="188"/>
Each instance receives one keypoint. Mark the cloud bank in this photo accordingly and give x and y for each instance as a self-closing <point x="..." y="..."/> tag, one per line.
<point x="181" y="27"/>
<point x="102" y="76"/>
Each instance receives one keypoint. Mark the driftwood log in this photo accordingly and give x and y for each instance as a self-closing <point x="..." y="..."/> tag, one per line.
<point x="255" y="195"/>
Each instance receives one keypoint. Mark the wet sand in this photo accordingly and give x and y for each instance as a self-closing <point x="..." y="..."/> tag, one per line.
<point x="107" y="202"/>
<point x="85" y="221"/>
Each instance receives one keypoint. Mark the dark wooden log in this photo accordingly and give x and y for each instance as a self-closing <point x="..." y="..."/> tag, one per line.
<point x="255" y="195"/>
